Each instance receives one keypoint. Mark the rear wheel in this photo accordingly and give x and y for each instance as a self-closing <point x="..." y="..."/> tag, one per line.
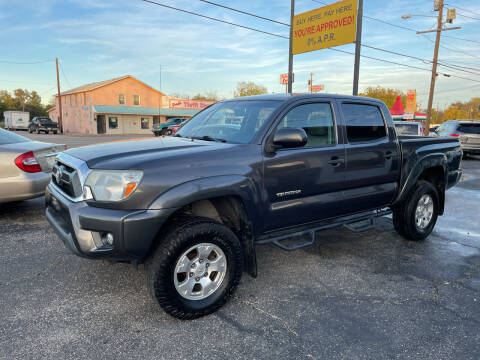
<point x="163" y="131"/>
<point x="46" y="131"/>
<point x="38" y="131"/>
<point x="55" y="132"/>
<point x="196" y="267"/>
<point x="30" y="130"/>
<point x="416" y="217"/>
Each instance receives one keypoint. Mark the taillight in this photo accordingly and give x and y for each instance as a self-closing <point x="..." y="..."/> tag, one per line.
<point x="456" y="135"/>
<point x="28" y="163"/>
<point x="174" y="130"/>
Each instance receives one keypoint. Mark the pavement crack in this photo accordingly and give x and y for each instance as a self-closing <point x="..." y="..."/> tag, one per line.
<point x="284" y="323"/>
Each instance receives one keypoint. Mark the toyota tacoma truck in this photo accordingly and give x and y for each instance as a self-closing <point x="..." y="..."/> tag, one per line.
<point x="253" y="170"/>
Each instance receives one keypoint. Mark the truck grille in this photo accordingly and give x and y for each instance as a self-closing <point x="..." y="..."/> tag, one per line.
<point x="67" y="179"/>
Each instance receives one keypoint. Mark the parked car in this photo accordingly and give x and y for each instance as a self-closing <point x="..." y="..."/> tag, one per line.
<point x="25" y="166"/>
<point x="44" y="124"/>
<point x="468" y="132"/>
<point x="172" y="129"/>
<point x="193" y="207"/>
<point x="409" y="128"/>
<point x="161" y="129"/>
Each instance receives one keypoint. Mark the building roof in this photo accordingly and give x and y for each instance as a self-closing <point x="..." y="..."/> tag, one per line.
<point x="137" y="110"/>
<point x="96" y="85"/>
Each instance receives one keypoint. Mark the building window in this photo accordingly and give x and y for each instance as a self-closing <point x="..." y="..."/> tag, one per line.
<point x="84" y="98"/>
<point x="71" y="97"/>
<point x="121" y="99"/>
<point x="112" y="123"/>
<point x="144" y="123"/>
<point x="136" y="99"/>
<point x="76" y="99"/>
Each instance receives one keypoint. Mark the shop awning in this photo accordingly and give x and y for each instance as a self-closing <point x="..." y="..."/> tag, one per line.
<point x="137" y="110"/>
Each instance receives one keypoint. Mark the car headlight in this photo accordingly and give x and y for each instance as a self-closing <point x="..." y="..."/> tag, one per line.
<point x="112" y="185"/>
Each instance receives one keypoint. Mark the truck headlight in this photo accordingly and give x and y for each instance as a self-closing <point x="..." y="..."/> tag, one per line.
<point x="113" y="185"/>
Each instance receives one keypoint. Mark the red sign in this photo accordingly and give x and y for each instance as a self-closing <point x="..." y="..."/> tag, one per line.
<point x="188" y="104"/>
<point x="317" y="88"/>
<point x="284" y="78"/>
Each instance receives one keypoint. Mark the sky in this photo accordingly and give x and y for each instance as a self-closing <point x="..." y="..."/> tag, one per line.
<point x="96" y="40"/>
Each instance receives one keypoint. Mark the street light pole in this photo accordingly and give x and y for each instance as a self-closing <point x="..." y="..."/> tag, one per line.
<point x="434" y="67"/>
<point x="290" y="45"/>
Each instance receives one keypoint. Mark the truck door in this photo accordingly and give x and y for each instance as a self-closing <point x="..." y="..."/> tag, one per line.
<point x="305" y="184"/>
<point x="372" y="159"/>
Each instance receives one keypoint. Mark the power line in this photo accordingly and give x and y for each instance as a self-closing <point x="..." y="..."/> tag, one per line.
<point x="473" y="12"/>
<point x="24" y="63"/>
<point x="452" y="66"/>
<point x="469" y="17"/>
<point x="244" y="12"/>
<point x="406" y="65"/>
<point x="451" y="49"/>
<point x="214" y="19"/>
<point x="65" y="76"/>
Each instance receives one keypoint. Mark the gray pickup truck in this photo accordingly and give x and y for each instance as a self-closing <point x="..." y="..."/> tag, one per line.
<point x="244" y="172"/>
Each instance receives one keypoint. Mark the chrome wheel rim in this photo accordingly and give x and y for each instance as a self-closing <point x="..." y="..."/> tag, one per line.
<point x="424" y="211"/>
<point x="200" y="271"/>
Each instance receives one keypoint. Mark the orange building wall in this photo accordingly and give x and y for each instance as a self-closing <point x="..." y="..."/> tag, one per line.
<point x="78" y="109"/>
<point x="108" y="95"/>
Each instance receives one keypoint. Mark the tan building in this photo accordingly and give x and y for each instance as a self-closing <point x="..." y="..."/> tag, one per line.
<point x="123" y="105"/>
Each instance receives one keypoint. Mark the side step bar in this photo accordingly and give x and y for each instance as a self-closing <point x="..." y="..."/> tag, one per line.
<point x="356" y="223"/>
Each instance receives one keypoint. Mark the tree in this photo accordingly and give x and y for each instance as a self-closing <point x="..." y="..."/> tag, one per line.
<point x="22" y="100"/>
<point x="463" y="110"/>
<point x="245" y="88"/>
<point x="387" y="95"/>
<point x="208" y="96"/>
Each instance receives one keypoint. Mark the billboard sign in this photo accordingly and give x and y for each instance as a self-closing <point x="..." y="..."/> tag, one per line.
<point x="411" y="101"/>
<point x="317" y="88"/>
<point x="284" y="78"/>
<point x="325" y="27"/>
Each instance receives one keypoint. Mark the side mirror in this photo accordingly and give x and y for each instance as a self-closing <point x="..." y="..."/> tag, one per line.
<point x="289" y="138"/>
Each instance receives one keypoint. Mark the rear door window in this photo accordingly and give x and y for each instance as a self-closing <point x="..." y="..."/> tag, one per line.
<point x="364" y="123"/>
<point x="469" y="128"/>
<point x="406" y="129"/>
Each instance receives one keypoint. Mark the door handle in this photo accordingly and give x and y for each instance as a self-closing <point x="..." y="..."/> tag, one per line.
<point x="335" y="161"/>
<point x="388" y="155"/>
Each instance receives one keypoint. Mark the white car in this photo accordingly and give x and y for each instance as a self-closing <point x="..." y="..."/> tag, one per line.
<point x="409" y="128"/>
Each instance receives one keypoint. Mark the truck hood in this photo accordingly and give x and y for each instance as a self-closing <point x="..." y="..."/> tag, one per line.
<point x="132" y="153"/>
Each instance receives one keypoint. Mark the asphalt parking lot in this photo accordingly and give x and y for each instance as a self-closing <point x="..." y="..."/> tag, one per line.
<point x="371" y="295"/>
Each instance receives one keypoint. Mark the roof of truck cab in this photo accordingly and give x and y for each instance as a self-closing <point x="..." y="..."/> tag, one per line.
<point x="299" y="96"/>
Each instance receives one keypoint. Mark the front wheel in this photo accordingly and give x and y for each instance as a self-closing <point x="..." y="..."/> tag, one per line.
<point x="54" y="132"/>
<point x="38" y="131"/>
<point x="416" y="217"/>
<point x="196" y="267"/>
<point x="46" y="131"/>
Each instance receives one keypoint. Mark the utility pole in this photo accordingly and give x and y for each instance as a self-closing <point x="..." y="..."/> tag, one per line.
<point x="60" y="125"/>
<point x="358" y="44"/>
<point x="290" y="45"/>
<point x="311" y="83"/>
<point x="434" y="67"/>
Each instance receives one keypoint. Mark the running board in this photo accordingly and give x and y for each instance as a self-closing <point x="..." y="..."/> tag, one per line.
<point x="285" y="239"/>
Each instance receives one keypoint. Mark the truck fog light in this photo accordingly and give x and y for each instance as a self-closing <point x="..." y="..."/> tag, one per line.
<point x="109" y="239"/>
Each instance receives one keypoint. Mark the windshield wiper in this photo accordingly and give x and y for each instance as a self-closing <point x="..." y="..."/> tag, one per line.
<point x="208" y="138"/>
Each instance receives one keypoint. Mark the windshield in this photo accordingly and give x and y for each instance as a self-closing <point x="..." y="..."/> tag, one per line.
<point x="231" y="121"/>
<point x="10" y="138"/>
<point x="406" y="129"/>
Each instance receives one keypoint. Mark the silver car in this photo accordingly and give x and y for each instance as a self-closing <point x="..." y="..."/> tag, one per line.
<point x="467" y="131"/>
<point x="25" y="166"/>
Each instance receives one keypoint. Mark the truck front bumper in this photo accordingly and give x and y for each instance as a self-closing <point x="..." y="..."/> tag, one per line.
<point x="83" y="228"/>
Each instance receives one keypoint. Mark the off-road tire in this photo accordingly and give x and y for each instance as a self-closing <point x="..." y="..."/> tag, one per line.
<point x="404" y="213"/>
<point x="182" y="234"/>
